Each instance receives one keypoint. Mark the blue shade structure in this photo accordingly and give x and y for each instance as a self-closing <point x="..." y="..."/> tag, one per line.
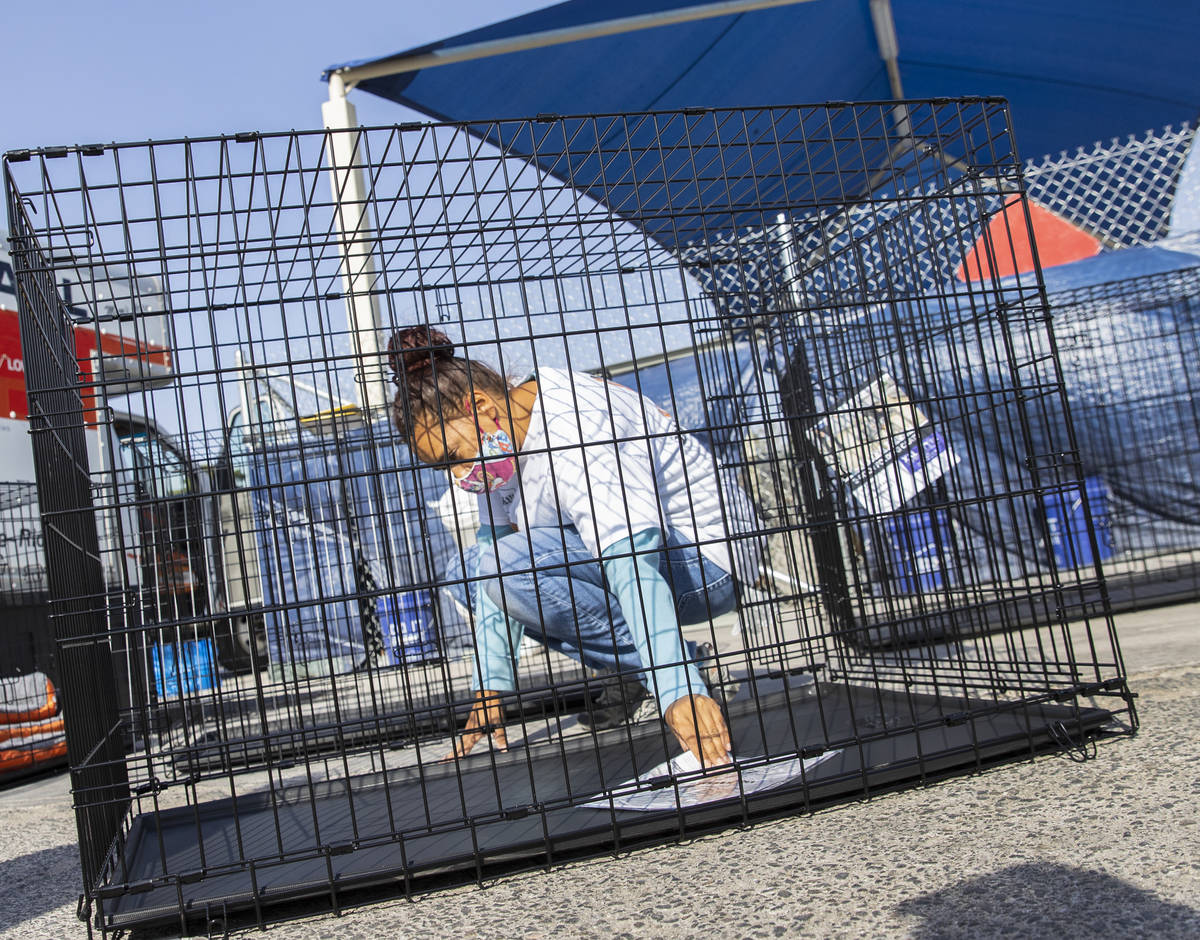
<point x="1074" y="72"/>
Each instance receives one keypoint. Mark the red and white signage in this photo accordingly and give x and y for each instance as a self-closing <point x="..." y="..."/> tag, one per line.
<point x="14" y="404"/>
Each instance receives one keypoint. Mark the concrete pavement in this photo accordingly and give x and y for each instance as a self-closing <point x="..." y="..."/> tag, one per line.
<point x="1044" y="848"/>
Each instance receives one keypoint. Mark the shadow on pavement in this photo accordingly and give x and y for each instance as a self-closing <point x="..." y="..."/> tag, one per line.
<point x="1047" y="900"/>
<point x="38" y="882"/>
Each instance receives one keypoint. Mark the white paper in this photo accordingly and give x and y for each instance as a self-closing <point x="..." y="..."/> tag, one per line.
<point x="883" y="447"/>
<point x="706" y="789"/>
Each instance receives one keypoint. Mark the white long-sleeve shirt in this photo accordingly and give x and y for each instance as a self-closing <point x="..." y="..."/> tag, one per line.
<point x="608" y="461"/>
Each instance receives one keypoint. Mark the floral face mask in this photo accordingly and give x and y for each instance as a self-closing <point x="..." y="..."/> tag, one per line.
<point x="497" y="464"/>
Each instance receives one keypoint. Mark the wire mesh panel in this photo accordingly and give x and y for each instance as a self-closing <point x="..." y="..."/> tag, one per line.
<point x="441" y="496"/>
<point x="1131" y="355"/>
<point x="1121" y="190"/>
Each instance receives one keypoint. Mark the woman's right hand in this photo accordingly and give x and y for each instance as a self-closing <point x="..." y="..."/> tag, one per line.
<point x="487" y="717"/>
<point x="700" y="727"/>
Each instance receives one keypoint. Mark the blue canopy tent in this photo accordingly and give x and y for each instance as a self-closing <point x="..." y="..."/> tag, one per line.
<point x="1074" y="72"/>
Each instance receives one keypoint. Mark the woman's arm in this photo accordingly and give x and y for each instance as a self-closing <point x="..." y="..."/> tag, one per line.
<point x="497" y="637"/>
<point x="497" y="641"/>
<point x="631" y="567"/>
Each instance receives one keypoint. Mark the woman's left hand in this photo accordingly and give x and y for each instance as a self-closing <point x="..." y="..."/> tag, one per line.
<point x="700" y="727"/>
<point x="487" y="716"/>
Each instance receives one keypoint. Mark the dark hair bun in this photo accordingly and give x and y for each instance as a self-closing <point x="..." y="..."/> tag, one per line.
<point x="416" y="349"/>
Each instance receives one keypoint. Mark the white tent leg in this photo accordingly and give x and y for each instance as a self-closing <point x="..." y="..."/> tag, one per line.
<point x="889" y="51"/>
<point x="346" y="160"/>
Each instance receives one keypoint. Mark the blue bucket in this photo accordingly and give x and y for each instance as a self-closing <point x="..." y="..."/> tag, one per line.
<point x="407" y="624"/>
<point x="913" y="547"/>
<point x="184" y="668"/>
<point x="1067" y="523"/>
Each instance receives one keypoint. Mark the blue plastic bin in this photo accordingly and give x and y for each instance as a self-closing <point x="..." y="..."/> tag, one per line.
<point x="184" y="668"/>
<point x="913" y="547"/>
<point x="1067" y="523"/>
<point x="407" y="624"/>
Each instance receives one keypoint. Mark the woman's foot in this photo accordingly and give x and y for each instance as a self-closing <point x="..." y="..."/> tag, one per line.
<point x="618" y="702"/>
<point x="716" y="675"/>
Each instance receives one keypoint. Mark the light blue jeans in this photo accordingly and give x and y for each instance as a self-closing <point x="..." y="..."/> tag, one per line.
<point x="547" y="580"/>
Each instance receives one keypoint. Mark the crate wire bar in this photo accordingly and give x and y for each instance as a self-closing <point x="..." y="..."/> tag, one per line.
<point x="268" y="608"/>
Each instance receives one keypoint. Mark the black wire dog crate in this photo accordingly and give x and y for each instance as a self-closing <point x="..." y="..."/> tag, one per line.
<point x="1131" y="357"/>
<point x="757" y="419"/>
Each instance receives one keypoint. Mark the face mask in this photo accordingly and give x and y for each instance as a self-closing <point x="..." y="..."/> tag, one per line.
<point x="490" y="474"/>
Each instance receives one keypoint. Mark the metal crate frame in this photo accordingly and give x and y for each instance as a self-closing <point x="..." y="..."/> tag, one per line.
<point x="235" y="261"/>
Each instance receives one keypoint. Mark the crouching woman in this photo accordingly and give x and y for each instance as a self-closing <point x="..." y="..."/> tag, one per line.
<point x="603" y="528"/>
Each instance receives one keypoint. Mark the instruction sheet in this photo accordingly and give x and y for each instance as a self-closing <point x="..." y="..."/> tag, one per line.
<point x="883" y="447"/>
<point x="705" y="789"/>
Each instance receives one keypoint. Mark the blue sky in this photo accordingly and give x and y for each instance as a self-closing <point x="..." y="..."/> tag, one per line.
<point x="83" y="72"/>
<point x="134" y="70"/>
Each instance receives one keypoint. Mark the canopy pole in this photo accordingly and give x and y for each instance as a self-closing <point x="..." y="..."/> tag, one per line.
<point x="394" y="65"/>
<point x="889" y="51"/>
<point x="347" y="158"/>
